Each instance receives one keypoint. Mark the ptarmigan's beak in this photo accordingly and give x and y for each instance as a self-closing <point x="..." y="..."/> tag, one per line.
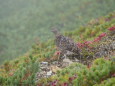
<point x="55" y="31"/>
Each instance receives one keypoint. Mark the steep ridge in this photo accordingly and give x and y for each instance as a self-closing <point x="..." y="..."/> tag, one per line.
<point x="96" y="41"/>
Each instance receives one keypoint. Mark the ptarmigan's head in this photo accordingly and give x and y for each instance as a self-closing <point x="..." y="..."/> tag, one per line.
<point x="55" y="31"/>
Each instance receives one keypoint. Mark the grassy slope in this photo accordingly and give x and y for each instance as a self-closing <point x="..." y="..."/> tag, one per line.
<point x="24" y="21"/>
<point x="22" y="70"/>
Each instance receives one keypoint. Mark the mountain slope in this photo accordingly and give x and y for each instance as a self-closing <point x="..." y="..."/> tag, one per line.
<point x="22" y="71"/>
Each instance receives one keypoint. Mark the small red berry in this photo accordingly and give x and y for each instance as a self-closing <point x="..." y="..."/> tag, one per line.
<point x="88" y="42"/>
<point x="97" y="39"/>
<point x="102" y="35"/>
<point x="111" y="28"/>
<point x="57" y="53"/>
<point x="65" y="84"/>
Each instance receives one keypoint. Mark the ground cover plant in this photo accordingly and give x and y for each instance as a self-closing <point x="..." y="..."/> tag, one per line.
<point x="98" y="70"/>
<point x="22" y="22"/>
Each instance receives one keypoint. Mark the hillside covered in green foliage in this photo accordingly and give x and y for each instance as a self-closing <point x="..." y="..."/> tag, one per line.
<point x="96" y="68"/>
<point x="22" y="22"/>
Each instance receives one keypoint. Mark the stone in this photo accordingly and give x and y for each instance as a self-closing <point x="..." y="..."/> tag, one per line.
<point x="54" y="68"/>
<point x="67" y="61"/>
<point x="49" y="73"/>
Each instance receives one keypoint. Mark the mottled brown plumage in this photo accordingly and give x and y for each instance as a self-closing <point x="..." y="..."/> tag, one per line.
<point x="65" y="44"/>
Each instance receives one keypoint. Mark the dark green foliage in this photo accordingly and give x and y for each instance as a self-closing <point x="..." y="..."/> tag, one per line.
<point x="100" y="70"/>
<point x="24" y="21"/>
<point x="80" y="75"/>
<point x="6" y="66"/>
<point x="108" y="82"/>
<point x="24" y="75"/>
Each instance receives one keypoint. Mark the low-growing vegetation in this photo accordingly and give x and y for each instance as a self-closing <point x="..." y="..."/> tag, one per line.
<point x="96" y="68"/>
<point x="22" y="22"/>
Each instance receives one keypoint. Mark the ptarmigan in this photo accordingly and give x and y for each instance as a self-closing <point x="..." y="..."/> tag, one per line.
<point x="66" y="45"/>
